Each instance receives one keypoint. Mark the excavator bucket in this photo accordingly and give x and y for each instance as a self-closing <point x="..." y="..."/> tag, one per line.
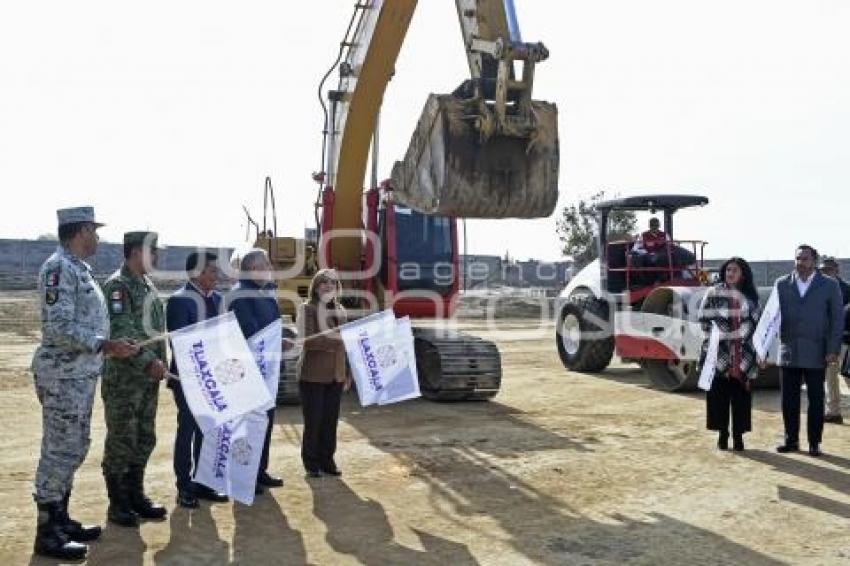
<point x="449" y="171"/>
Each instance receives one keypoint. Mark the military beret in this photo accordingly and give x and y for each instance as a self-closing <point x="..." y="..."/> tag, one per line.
<point x="148" y="239"/>
<point x="76" y="214"/>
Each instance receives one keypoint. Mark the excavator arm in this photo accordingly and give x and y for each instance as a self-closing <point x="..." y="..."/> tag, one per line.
<point x="486" y="150"/>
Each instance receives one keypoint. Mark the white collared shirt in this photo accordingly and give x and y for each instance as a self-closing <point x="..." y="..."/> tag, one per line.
<point x="803" y="285"/>
<point x="205" y="295"/>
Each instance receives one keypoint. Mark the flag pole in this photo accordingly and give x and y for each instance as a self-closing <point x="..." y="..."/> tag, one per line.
<point x="166" y="335"/>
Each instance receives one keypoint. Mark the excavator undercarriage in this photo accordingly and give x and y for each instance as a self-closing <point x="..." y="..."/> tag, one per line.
<point x="454" y="366"/>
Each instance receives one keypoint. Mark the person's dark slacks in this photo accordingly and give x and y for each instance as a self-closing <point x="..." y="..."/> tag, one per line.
<point x="729" y="395"/>
<point x="264" y="458"/>
<point x="792" y="380"/>
<point x="320" y="405"/>
<point x="187" y="441"/>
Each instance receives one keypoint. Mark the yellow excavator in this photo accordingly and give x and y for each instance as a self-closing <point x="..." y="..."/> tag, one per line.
<point x="487" y="150"/>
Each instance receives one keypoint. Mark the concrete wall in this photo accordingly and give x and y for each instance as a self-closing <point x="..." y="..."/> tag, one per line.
<point x="766" y="272"/>
<point x="20" y="261"/>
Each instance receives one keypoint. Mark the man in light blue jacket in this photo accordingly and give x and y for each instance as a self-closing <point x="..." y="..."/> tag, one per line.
<point x="810" y="339"/>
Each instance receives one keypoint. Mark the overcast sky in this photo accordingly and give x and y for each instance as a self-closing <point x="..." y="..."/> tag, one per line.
<point x="168" y="115"/>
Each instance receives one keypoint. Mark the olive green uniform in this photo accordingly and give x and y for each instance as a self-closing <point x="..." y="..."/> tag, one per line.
<point x="129" y="395"/>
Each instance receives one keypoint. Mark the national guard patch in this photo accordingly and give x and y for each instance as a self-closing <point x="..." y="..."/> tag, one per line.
<point x="51" y="296"/>
<point x="51" y="278"/>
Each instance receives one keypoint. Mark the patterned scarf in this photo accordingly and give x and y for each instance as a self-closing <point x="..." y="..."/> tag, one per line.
<point x="736" y="317"/>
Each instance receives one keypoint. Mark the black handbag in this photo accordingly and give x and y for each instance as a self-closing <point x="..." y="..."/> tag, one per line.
<point x="845" y="364"/>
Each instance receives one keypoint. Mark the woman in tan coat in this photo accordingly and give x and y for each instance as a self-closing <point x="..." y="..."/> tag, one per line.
<point x="322" y="373"/>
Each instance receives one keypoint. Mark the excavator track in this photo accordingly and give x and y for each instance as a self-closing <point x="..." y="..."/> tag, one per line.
<point x="453" y="366"/>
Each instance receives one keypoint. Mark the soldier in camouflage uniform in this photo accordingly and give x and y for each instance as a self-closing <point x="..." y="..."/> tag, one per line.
<point x="75" y="332"/>
<point x="131" y="387"/>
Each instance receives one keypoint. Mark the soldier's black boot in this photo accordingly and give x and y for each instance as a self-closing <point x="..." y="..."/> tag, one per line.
<point x="76" y="531"/>
<point x="120" y="512"/>
<point x="140" y="502"/>
<point x="50" y="539"/>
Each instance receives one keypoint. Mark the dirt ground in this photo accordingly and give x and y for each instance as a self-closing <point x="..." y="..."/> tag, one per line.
<point x="559" y="469"/>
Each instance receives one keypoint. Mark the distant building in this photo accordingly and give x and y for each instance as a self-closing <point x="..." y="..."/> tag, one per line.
<point x="487" y="270"/>
<point x="479" y="270"/>
<point x="545" y="273"/>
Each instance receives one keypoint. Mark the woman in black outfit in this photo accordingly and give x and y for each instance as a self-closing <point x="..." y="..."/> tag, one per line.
<point x="733" y="306"/>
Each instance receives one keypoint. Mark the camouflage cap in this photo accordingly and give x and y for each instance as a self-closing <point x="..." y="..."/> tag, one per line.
<point x="76" y="214"/>
<point x="141" y="238"/>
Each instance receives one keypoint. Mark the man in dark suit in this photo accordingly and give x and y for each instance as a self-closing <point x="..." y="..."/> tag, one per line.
<point x="254" y="303"/>
<point x="810" y="339"/>
<point x="194" y="302"/>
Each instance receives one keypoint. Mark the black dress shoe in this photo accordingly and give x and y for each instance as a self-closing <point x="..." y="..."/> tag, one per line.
<point x="814" y="450"/>
<point x="332" y="471"/>
<point x="738" y="444"/>
<point x="834" y="419"/>
<point x="313" y="474"/>
<point x="785" y="448"/>
<point x="723" y="442"/>
<point x="203" y="492"/>
<point x="269" y="481"/>
<point x="187" y="500"/>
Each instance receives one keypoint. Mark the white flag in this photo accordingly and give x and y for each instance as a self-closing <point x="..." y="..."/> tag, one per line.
<point x="230" y="457"/>
<point x="768" y="326"/>
<point x="266" y="347"/>
<point x="706" y="376"/>
<point x="381" y="355"/>
<point x="218" y="374"/>
<point x="405" y="384"/>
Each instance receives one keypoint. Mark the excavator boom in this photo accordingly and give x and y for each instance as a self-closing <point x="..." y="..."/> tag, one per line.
<point x="487" y="150"/>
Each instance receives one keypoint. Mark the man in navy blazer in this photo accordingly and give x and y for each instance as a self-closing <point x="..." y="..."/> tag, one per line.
<point x="197" y="300"/>
<point x="810" y="339"/>
<point x="254" y="303"/>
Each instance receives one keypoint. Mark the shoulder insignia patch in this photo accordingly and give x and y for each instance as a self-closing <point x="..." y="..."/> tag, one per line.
<point x="51" y="296"/>
<point x="51" y="278"/>
<point x="119" y="299"/>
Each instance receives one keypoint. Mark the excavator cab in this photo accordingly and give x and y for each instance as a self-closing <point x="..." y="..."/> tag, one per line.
<point x="418" y="261"/>
<point x="425" y="251"/>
